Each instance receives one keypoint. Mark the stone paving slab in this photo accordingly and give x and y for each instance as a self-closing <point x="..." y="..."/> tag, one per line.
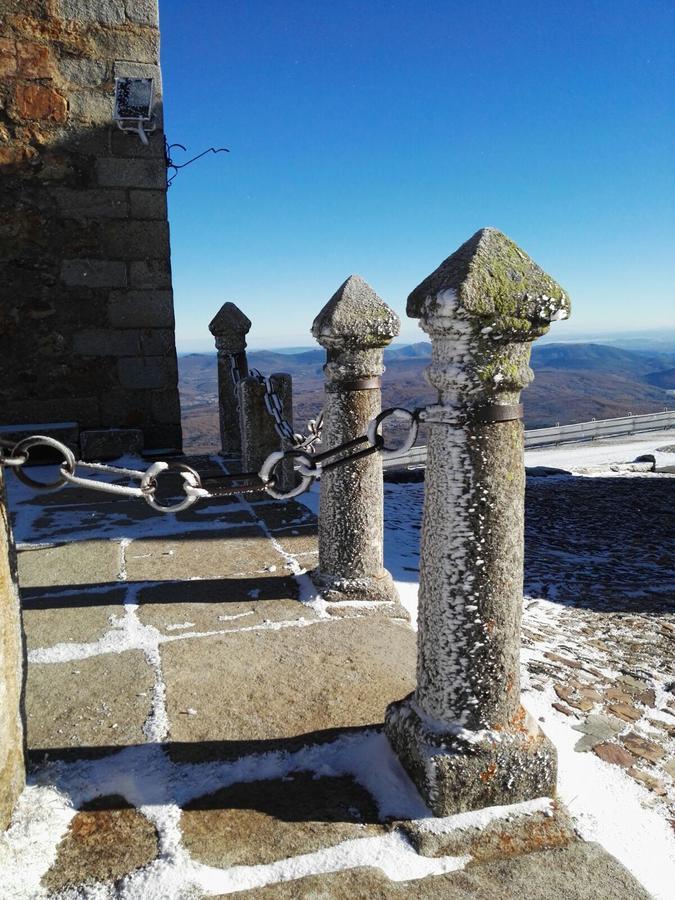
<point x="101" y="701"/>
<point x="87" y="562"/>
<point x="579" y="872"/>
<point x="269" y="684"/>
<point x="57" y="616"/>
<point x="196" y="556"/>
<point x="262" y="821"/>
<point x="102" y="844"/>
<point x="211" y="615"/>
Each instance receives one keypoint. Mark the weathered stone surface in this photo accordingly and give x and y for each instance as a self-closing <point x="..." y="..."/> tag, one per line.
<point x="614" y="753"/>
<point x="354" y="327"/>
<point x="262" y="821"/>
<point x="494" y="279"/>
<point x="141" y="309"/>
<point x="105" y="840"/>
<point x="12" y="771"/>
<point x="102" y="342"/>
<point x="52" y="617"/>
<point x="274" y="686"/>
<point x="110" y="443"/>
<point x="259" y="436"/>
<point x="642" y="748"/>
<point x="148" y="204"/>
<point x="147" y="372"/>
<point x="83" y="562"/>
<point x="482" y="307"/>
<point x="110" y="12"/>
<point x="580" y="871"/>
<point x="7" y="57"/>
<point x="94" y="273"/>
<point x="503" y="837"/>
<point x="226" y="605"/>
<point x="67" y="241"/>
<point x="91" y="204"/>
<point x="456" y="771"/>
<point x="38" y="102"/>
<point x="150" y="274"/>
<point x="249" y="553"/>
<point x="229" y="327"/>
<point x="91" y="108"/>
<point x="96" y="702"/>
<point x="136" y="239"/>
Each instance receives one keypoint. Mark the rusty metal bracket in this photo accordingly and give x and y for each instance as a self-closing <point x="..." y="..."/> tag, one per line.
<point x="494" y="412"/>
<point x="360" y="384"/>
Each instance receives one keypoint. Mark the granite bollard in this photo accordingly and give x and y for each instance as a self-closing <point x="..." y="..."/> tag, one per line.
<point x="463" y="735"/>
<point x="230" y="327"/>
<point x="259" y="437"/>
<point x="12" y="673"/>
<point x="354" y="327"/>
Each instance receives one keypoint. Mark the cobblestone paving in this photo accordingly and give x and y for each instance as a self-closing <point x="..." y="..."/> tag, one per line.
<point x="599" y="612"/>
<point x="603" y="551"/>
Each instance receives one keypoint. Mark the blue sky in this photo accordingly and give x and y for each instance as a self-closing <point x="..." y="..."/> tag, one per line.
<point x="375" y="137"/>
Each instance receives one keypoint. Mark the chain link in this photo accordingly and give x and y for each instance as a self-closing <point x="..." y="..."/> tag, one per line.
<point x="308" y="464"/>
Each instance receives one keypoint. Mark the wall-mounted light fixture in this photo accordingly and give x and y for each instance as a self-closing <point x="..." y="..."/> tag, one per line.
<point x="133" y="106"/>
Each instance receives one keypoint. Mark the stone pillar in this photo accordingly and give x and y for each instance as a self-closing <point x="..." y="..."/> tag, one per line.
<point x="259" y="437"/>
<point x="230" y="327"/>
<point x="354" y="327"/>
<point x="463" y="735"/>
<point x="12" y="764"/>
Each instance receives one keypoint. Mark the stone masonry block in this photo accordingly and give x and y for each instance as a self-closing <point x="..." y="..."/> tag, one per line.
<point x="110" y="443"/>
<point x="141" y="173"/>
<point x="91" y="204"/>
<point x="139" y="43"/>
<point x="106" y="342"/>
<point x="94" y="273"/>
<point x="147" y="372"/>
<point x="150" y="274"/>
<point x="108" y="12"/>
<point x="136" y="240"/>
<point x="127" y="145"/>
<point x="39" y="103"/>
<point x="84" y="72"/>
<point x="141" y="309"/>
<point x="7" y="57"/>
<point x="34" y="60"/>
<point x="144" y="12"/>
<point x="157" y="341"/>
<point x="91" y="106"/>
<point x="148" y="204"/>
<point x="164" y="407"/>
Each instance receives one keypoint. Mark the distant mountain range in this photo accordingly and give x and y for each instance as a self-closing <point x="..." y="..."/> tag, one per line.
<point x="574" y="382"/>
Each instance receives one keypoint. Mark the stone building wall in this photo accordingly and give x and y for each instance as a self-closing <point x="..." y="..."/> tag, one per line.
<point x="86" y="307"/>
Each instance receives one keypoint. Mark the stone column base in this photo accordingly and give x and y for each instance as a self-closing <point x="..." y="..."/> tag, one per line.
<point x="464" y="770"/>
<point x="367" y="590"/>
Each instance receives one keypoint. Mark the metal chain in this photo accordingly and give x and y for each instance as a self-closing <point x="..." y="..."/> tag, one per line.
<point x="308" y="465"/>
<point x="274" y="407"/>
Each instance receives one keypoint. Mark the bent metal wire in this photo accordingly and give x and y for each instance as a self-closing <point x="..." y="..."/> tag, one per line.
<point x="308" y="465"/>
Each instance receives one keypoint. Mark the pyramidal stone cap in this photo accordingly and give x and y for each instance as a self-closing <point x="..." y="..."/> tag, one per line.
<point x="356" y="317"/>
<point x="230" y="320"/>
<point x="492" y="280"/>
